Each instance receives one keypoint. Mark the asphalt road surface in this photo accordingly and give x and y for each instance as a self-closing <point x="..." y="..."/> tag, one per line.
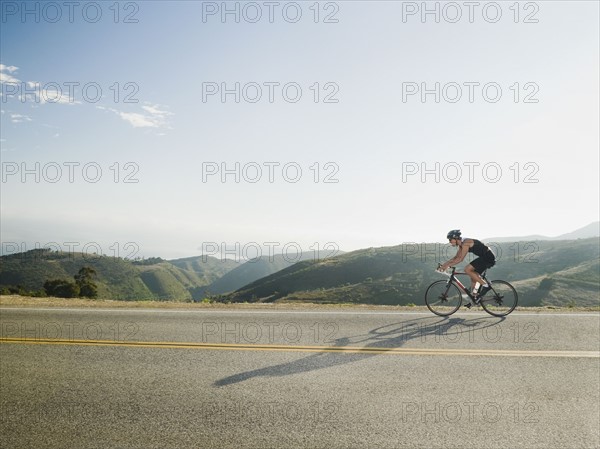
<point x="114" y="378"/>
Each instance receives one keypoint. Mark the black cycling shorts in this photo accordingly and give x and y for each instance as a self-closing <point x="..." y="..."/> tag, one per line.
<point x="483" y="263"/>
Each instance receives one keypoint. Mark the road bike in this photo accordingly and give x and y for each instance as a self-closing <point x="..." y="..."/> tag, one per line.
<point x="444" y="297"/>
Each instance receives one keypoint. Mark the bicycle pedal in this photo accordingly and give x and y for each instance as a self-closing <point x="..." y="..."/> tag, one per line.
<point x="468" y="305"/>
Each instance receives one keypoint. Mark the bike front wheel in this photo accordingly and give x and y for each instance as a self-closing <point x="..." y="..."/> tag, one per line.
<point x="443" y="298"/>
<point x="501" y="299"/>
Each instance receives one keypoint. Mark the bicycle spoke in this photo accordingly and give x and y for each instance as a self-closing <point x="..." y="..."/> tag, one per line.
<point x="442" y="298"/>
<point x="501" y="299"/>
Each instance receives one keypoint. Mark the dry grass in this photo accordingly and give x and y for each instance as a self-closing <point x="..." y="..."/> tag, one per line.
<point x="26" y="301"/>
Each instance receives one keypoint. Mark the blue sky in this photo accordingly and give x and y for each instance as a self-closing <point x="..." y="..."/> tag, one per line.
<point x="369" y="134"/>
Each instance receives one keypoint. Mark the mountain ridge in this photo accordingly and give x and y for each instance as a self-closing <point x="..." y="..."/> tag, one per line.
<point x="591" y="230"/>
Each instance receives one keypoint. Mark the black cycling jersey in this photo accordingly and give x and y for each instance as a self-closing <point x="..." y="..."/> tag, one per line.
<point x="481" y="250"/>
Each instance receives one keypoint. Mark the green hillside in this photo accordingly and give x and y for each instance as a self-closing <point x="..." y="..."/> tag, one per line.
<point x="242" y="275"/>
<point x="204" y="270"/>
<point x="253" y="270"/>
<point x="544" y="272"/>
<point x="117" y="278"/>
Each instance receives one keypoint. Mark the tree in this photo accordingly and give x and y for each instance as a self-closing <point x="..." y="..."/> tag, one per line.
<point x="85" y="274"/>
<point x="88" y="290"/>
<point x="61" y="288"/>
<point x="84" y="280"/>
<point x="82" y="287"/>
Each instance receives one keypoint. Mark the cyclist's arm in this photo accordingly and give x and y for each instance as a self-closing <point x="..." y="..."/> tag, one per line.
<point x="460" y="255"/>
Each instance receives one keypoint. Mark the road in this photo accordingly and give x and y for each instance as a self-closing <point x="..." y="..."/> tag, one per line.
<point x="139" y="378"/>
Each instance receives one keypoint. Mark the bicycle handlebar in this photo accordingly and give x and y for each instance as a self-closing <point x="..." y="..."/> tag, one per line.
<point x="444" y="272"/>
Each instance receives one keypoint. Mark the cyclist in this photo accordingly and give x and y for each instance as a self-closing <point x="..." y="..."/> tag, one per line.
<point x="485" y="259"/>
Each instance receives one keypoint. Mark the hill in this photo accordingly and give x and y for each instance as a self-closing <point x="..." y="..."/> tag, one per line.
<point x="544" y="272"/>
<point x="117" y="278"/>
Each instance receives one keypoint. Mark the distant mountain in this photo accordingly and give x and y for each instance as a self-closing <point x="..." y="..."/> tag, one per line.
<point x="117" y="278"/>
<point x="400" y="275"/>
<point x="591" y="230"/>
<point x="253" y="270"/>
<point x="208" y="269"/>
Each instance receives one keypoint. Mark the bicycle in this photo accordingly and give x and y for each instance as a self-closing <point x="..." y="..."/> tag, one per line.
<point x="445" y="297"/>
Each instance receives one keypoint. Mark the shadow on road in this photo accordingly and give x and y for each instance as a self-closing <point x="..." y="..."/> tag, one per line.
<point x="389" y="336"/>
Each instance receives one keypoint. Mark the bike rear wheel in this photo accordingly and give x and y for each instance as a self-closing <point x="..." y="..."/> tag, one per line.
<point x="443" y="298"/>
<point x="501" y="299"/>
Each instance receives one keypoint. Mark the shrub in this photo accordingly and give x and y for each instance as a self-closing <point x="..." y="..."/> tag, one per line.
<point x="61" y="288"/>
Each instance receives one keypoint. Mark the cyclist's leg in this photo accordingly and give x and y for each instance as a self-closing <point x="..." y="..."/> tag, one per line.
<point x="489" y="263"/>
<point x="474" y="270"/>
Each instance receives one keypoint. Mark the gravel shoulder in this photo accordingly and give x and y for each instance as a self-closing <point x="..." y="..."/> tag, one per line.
<point x="26" y="301"/>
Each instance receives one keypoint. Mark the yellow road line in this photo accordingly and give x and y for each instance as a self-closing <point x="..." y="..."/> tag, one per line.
<point x="290" y="348"/>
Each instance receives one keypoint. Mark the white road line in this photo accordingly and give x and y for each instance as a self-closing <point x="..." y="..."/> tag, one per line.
<point x="287" y="312"/>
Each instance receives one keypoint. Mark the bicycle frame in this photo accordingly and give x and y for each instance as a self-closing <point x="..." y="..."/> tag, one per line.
<point x="454" y="280"/>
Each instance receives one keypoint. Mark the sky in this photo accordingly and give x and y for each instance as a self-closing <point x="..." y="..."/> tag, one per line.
<point x="173" y="129"/>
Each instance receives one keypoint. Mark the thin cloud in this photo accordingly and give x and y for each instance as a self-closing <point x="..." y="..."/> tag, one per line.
<point x="138" y="120"/>
<point x="20" y="118"/>
<point x="6" y="72"/>
<point x="155" y="111"/>
<point x="39" y="95"/>
<point x="8" y="68"/>
<point x="152" y="117"/>
<point x="6" y="78"/>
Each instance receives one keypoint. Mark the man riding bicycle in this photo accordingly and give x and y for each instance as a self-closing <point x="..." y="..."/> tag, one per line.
<point x="485" y="259"/>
